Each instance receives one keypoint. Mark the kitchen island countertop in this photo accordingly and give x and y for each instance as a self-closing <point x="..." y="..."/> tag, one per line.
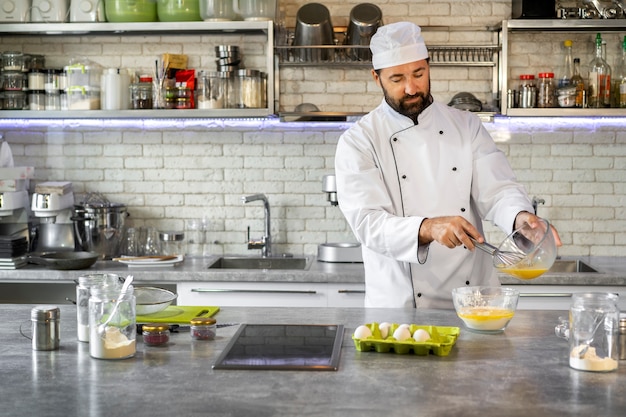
<point x="523" y="371"/>
<point x="611" y="272"/>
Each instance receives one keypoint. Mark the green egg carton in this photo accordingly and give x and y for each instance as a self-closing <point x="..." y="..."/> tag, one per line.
<point x="441" y="341"/>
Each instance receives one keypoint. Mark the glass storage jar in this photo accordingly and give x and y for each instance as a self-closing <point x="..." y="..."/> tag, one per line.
<point x="212" y="90"/>
<point x="36" y="80"/>
<point x="248" y="84"/>
<point x="203" y="328"/>
<point x="155" y="334"/>
<point x="13" y="81"/>
<point x="141" y="96"/>
<point x="53" y="100"/>
<point x="12" y="61"/>
<point x="83" y="292"/>
<point x="546" y="92"/>
<point x="14" y="100"/>
<point x="112" y="323"/>
<point x="37" y="100"/>
<point x="172" y="243"/>
<point x="593" y="332"/>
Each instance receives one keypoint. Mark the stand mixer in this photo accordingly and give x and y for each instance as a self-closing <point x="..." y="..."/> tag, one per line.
<point x="52" y="204"/>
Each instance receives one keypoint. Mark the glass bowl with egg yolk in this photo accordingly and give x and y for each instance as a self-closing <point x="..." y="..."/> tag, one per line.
<point x="485" y="309"/>
<point x="537" y="247"/>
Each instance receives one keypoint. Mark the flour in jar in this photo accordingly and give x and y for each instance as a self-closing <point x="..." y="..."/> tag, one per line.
<point x="590" y="361"/>
<point x="112" y="345"/>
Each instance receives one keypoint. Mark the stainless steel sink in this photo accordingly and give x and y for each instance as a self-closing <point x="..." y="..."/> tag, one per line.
<point x="246" y="262"/>
<point x="575" y="265"/>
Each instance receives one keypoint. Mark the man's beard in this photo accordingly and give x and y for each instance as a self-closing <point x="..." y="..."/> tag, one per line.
<point x="410" y="110"/>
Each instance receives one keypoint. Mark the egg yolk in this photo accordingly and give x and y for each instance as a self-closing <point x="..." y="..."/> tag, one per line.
<point x="524" y="273"/>
<point x="485" y="313"/>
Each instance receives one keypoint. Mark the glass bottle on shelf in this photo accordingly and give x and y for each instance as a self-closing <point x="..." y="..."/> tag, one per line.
<point x="599" y="79"/>
<point x="619" y="80"/>
<point x="578" y="81"/>
<point x="566" y="71"/>
<point x="546" y="92"/>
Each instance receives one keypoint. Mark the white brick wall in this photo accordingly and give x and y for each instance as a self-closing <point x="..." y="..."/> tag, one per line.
<point x="168" y="171"/>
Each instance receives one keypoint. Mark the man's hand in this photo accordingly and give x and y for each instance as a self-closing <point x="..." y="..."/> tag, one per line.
<point x="450" y="231"/>
<point x="534" y="221"/>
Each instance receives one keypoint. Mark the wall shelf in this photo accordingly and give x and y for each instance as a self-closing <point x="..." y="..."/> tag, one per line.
<point x="550" y="26"/>
<point x="149" y="28"/>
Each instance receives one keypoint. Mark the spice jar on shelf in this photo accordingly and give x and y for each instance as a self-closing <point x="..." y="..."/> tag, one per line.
<point x="141" y="95"/>
<point x="546" y="92"/>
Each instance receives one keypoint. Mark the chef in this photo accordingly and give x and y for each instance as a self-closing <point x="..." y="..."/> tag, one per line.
<point x="415" y="179"/>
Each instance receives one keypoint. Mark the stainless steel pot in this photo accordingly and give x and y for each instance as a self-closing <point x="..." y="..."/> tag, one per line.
<point x="100" y="228"/>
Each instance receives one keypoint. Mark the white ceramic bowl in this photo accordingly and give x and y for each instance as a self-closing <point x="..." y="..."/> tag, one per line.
<point x="485" y="309"/>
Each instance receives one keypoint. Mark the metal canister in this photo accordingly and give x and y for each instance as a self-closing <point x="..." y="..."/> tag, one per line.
<point x="622" y="336"/>
<point x="46" y="329"/>
<point x="527" y="91"/>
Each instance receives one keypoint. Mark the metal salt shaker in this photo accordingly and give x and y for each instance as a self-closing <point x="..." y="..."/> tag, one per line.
<point x="46" y="333"/>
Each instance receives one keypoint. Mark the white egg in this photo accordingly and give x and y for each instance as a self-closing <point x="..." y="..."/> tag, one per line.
<point x="402" y="333"/>
<point x="421" y="335"/>
<point x="384" y="329"/>
<point x="362" y="332"/>
<point x="405" y="325"/>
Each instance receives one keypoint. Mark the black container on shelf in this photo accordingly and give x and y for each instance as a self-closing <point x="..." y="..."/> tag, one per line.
<point x="533" y="9"/>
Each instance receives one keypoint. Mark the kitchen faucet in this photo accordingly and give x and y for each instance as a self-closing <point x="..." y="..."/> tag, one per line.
<point x="265" y="243"/>
<point x="536" y="201"/>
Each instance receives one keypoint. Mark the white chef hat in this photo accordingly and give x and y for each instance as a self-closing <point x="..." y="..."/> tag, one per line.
<point x="397" y="44"/>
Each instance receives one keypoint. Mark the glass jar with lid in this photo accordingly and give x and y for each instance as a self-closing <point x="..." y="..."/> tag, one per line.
<point x="203" y="328"/>
<point x="83" y="292"/>
<point x="212" y="91"/>
<point x="546" y="91"/>
<point x="248" y="84"/>
<point x="37" y="100"/>
<point x="593" y="332"/>
<point x="172" y="243"/>
<point x="112" y="323"/>
<point x="36" y="79"/>
<point x="14" y="100"/>
<point x="12" y="61"/>
<point x="141" y="96"/>
<point x="13" y="80"/>
<point x="155" y="334"/>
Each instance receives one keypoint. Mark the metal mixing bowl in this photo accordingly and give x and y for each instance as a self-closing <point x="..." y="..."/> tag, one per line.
<point x="150" y="300"/>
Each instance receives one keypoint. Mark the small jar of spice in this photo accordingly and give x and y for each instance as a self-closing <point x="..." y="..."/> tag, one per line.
<point x="203" y="328"/>
<point x="156" y="334"/>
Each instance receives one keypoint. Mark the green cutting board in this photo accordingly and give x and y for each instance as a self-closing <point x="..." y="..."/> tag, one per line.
<point x="178" y="314"/>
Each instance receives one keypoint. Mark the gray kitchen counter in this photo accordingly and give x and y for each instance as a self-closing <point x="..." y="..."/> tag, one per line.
<point x="611" y="272"/>
<point x="521" y="372"/>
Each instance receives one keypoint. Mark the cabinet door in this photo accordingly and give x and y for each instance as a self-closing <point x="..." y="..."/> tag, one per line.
<point x="557" y="297"/>
<point x="252" y="294"/>
<point x="346" y="295"/>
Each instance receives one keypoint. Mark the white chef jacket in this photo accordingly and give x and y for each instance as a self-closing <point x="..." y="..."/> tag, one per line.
<point x="392" y="174"/>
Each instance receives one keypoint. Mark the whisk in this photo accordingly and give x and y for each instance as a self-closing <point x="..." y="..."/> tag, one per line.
<point x="506" y="258"/>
